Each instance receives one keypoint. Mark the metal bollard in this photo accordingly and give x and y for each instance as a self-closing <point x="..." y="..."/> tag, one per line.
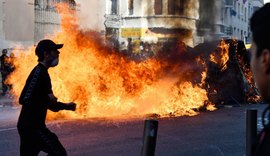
<point x="149" y="137"/>
<point x="251" y="130"/>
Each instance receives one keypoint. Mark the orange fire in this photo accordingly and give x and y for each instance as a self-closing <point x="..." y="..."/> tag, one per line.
<point x="105" y="84"/>
<point x="222" y="58"/>
<point x="252" y="93"/>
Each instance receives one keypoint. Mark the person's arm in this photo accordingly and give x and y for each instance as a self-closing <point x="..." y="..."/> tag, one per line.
<point x="30" y="90"/>
<point x="55" y="106"/>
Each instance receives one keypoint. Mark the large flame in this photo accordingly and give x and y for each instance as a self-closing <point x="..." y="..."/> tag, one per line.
<point x="105" y="84"/>
<point x="222" y="58"/>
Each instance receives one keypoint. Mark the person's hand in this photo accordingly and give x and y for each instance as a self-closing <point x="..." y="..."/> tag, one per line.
<point x="71" y="106"/>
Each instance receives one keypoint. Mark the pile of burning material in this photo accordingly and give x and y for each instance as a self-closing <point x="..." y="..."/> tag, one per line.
<point x="229" y="79"/>
<point x="244" y="57"/>
<point x="220" y="67"/>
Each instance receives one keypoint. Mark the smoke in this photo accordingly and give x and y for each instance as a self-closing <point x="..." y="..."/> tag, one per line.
<point x="206" y="23"/>
<point x="19" y="17"/>
<point x="90" y="13"/>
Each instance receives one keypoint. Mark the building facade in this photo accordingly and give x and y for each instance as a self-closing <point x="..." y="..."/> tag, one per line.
<point x="47" y="20"/>
<point x="25" y="22"/>
<point x="131" y="23"/>
<point x="231" y="19"/>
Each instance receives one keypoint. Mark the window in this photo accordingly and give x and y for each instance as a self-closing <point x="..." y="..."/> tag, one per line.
<point x="176" y="7"/>
<point x="242" y="12"/>
<point x="222" y="29"/>
<point x="49" y="4"/>
<point x="182" y="7"/>
<point x="71" y="3"/>
<point x="130" y="7"/>
<point x="158" y="7"/>
<point x="238" y="10"/>
<point x="37" y="4"/>
<point x="114" y="7"/>
<point x="229" y="2"/>
<point x="245" y="14"/>
<point x="171" y="7"/>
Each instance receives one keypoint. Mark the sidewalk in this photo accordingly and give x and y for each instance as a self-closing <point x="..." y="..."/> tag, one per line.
<point x="9" y="112"/>
<point x="8" y="101"/>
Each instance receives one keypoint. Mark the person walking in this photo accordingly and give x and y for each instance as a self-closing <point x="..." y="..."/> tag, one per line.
<point x="260" y="66"/>
<point x="11" y="68"/>
<point x="4" y="70"/>
<point x="36" y="98"/>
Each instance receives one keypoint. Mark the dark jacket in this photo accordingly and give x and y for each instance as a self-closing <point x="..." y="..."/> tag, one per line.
<point x="35" y="100"/>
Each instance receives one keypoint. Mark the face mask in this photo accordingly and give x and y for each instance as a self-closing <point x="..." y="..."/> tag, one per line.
<point x="54" y="62"/>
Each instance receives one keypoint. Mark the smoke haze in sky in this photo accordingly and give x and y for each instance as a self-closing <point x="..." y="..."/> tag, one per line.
<point x="91" y="13"/>
<point x="19" y="17"/>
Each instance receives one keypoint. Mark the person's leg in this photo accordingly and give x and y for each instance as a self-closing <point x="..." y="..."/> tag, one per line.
<point x="28" y="146"/>
<point x="4" y="86"/>
<point x="51" y="144"/>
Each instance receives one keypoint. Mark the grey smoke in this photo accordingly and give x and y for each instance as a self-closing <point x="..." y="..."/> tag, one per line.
<point x="18" y="20"/>
<point x="207" y="12"/>
<point x="91" y="14"/>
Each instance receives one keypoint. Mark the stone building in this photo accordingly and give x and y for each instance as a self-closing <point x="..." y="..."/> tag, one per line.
<point x="226" y="18"/>
<point x="131" y="23"/>
<point x="47" y="20"/>
<point x="24" y="22"/>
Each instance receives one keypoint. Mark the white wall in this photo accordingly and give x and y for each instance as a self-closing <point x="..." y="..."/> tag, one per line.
<point x="19" y="17"/>
<point x="1" y="24"/>
<point x="16" y="23"/>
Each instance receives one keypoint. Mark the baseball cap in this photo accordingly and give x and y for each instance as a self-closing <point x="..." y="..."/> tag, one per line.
<point x="47" y="45"/>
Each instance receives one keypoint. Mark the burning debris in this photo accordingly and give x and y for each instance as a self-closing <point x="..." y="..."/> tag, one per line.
<point x="105" y="83"/>
<point x="229" y="79"/>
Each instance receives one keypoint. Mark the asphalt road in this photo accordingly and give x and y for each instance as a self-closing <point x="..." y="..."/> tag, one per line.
<point x="218" y="133"/>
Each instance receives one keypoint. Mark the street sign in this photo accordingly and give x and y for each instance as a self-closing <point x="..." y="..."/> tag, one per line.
<point x="112" y="21"/>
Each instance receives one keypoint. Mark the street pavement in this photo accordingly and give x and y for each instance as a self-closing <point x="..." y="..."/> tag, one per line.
<point x="9" y="112"/>
<point x="217" y="133"/>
